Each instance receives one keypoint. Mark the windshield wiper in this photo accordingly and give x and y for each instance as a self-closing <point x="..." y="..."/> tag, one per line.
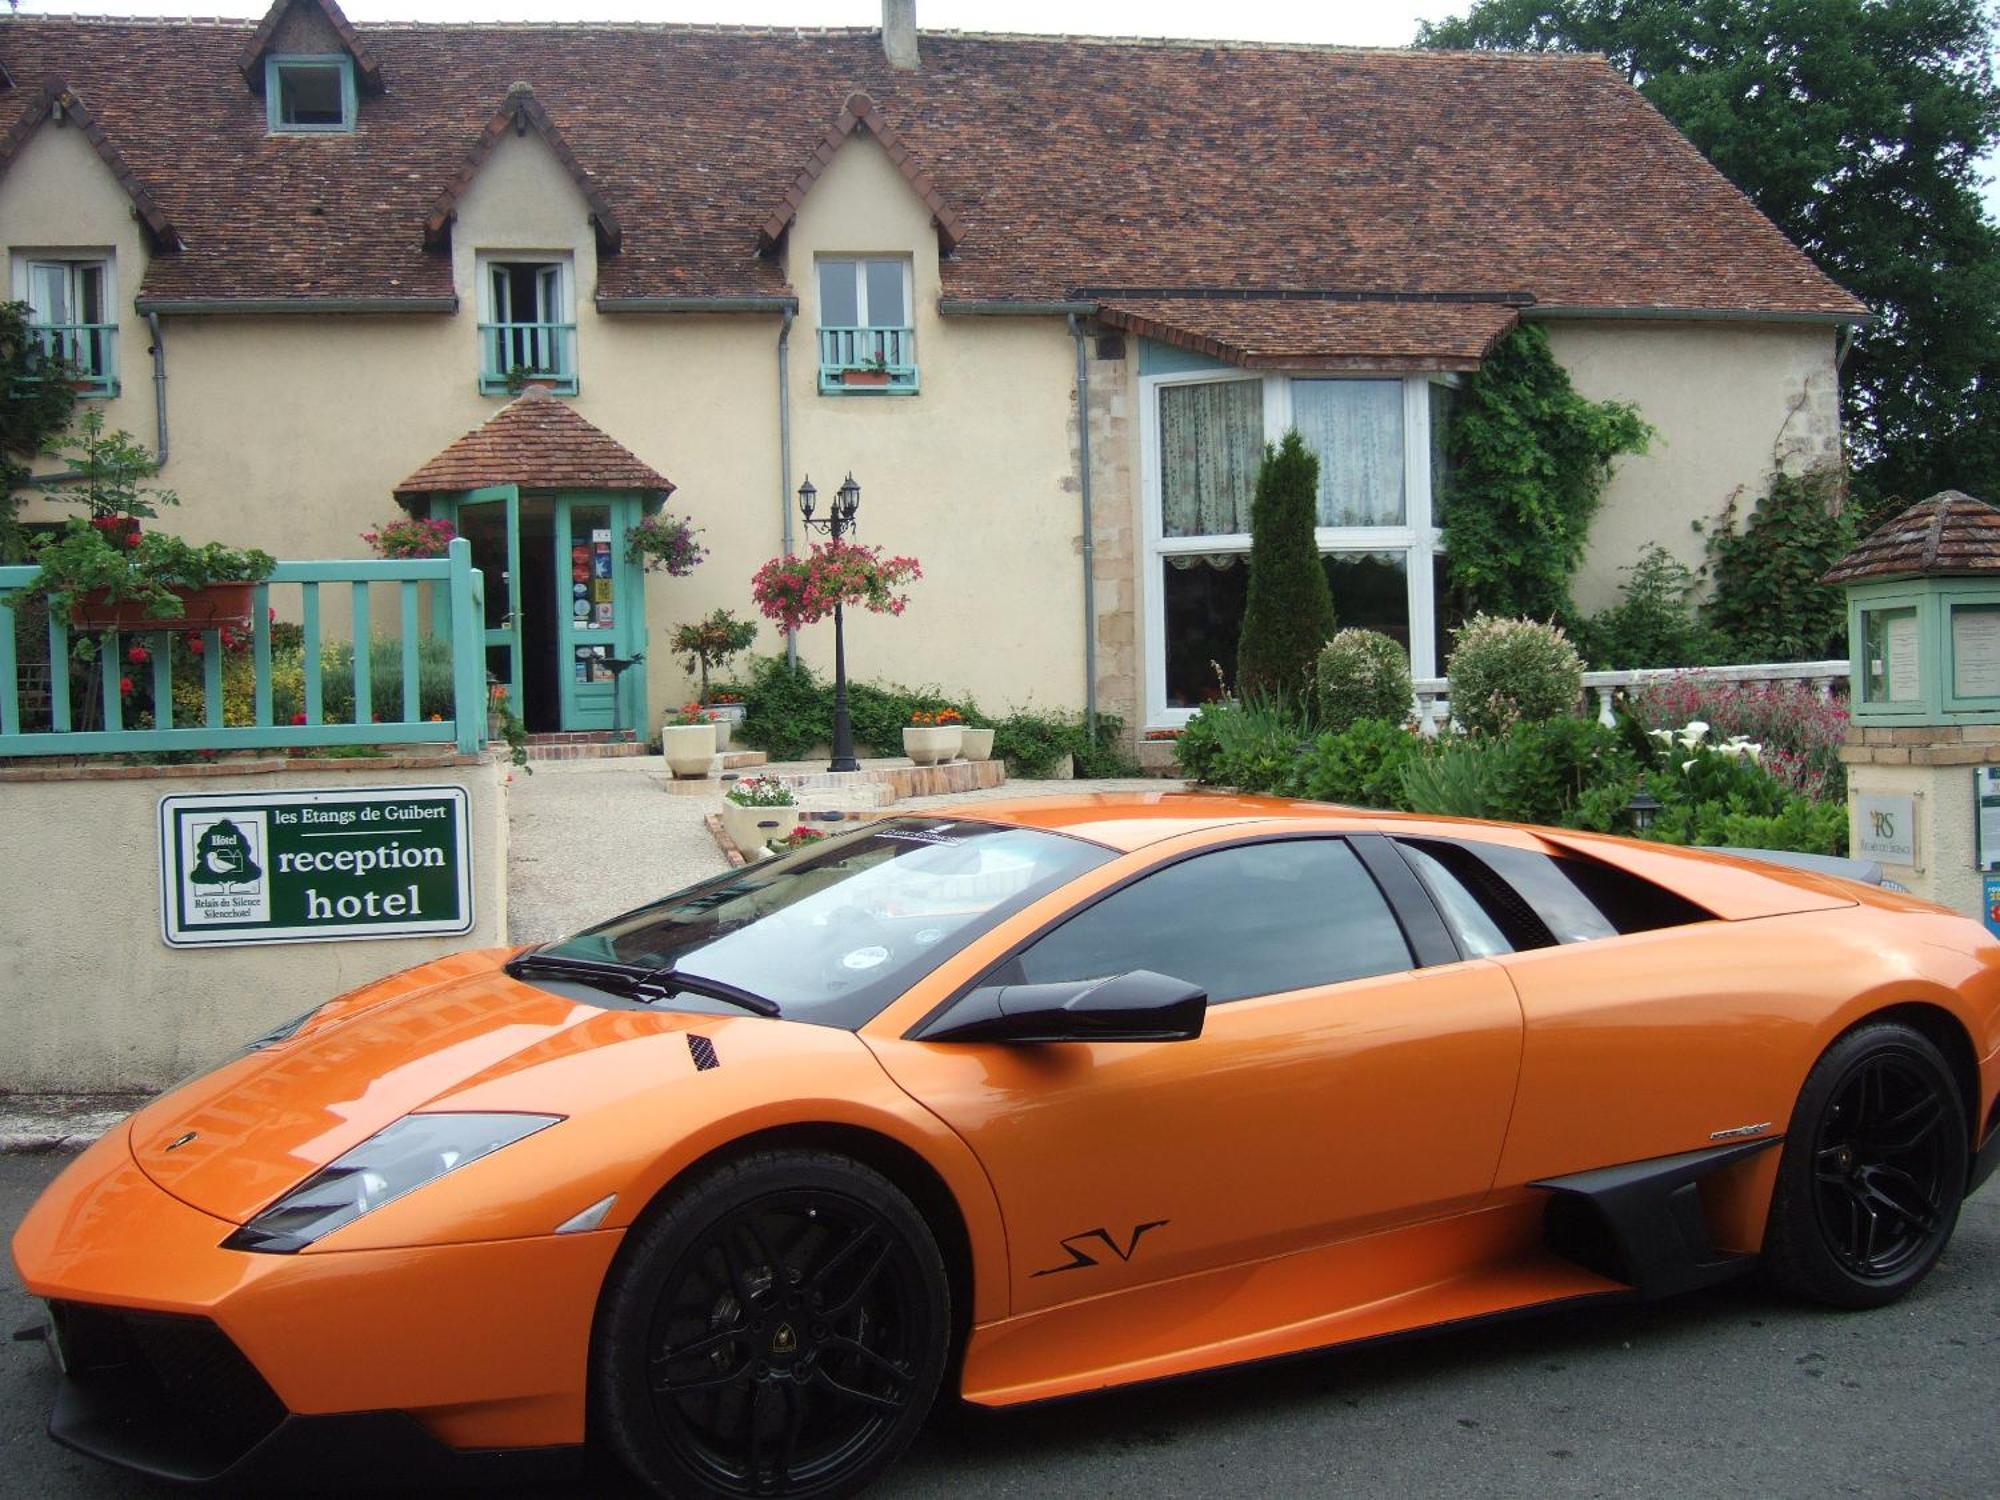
<point x="669" y="980"/>
<point x="636" y="983"/>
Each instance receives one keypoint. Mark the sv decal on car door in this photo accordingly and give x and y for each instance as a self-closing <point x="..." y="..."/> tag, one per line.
<point x="1081" y="1257"/>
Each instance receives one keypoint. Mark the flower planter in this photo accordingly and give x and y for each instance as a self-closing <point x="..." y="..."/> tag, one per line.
<point x="724" y="713"/>
<point x="932" y="745"/>
<point x="864" y="377"/>
<point x="976" y="744"/>
<point x="689" y="748"/>
<point x="751" y="828"/>
<point x="214" y="606"/>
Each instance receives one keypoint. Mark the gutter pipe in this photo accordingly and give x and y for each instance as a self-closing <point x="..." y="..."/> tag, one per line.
<point x="1089" y="531"/>
<point x="263" y="307"/>
<point x="785" y="454"/>
<point x="159" y="352"/>
<point x="786" y="305"/>
<point x="1691" y="314"/>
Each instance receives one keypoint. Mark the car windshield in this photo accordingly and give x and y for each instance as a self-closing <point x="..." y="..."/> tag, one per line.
<point x="836" y="931"/>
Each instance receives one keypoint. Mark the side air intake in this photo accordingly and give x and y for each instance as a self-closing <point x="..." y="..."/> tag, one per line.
<point x="702" y="1050"/>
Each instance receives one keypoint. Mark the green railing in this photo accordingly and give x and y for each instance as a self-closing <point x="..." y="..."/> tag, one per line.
<point x="90" y="349"/>
<point x="39" y="714"/>
<point x="867" y="360"/>
<point x="542" y="352"/>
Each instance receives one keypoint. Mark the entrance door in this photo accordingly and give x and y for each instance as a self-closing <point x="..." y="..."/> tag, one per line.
<point x="604" y="618"/>
<point x="490" y="519"/>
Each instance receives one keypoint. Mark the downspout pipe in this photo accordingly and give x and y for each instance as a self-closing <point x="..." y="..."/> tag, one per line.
<point x="785" y="455"/>
<point x="50" y="481"/>
<point x="1089" y="530"/>
<point x="159" y="388"/>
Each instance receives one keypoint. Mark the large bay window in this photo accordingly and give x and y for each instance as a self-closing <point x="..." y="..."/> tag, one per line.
<point x="1379" y="442"/>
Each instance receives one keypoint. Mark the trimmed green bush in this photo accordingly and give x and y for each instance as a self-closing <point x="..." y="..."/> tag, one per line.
<point x="1362" y="765"/>
<point x="1289" y="612"/>
<point x="1506" y="671"/>
<point x="1363" y="674"/>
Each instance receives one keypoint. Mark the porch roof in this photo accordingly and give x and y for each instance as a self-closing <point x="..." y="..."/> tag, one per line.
<point x="1321" y="332"/>
<point x="538" y="443"/>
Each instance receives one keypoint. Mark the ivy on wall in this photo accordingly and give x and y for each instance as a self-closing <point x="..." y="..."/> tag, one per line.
<point x="1528" y="461"/>
<point x="1769" y="601"/>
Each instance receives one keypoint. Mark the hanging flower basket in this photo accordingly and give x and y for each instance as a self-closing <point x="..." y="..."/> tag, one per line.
<point x="213" y="606"/>
<point x="798" y="591"/>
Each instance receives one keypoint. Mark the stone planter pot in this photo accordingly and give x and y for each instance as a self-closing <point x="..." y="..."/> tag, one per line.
<point x="751" y="828"/>
<point x="931" y="745"/>
<point x="976" y="744"/>
<point x="689" y="748"/>
<point x="722" y="731"/>
<point x="731" y="713"/>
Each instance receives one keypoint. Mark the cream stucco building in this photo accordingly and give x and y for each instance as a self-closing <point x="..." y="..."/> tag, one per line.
<point x="1043" y="298"/>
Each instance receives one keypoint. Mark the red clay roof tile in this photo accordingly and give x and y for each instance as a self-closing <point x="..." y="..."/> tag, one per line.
<point x="521" y="110"/>
<point x="537" y="442"/>
<point x="1064" y="162"/>
<point x="1320" y="333"/>
<point x="1950" y="534"/>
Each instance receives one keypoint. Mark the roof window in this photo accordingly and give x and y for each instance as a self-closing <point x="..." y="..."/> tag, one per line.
<point x="308" y="95"/>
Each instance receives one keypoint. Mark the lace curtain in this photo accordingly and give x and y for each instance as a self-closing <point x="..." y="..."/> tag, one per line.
<point x="1211" y="442"/>
<point x="1356" y="428"/>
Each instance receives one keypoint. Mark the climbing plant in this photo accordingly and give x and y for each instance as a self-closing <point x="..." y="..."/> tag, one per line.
<point x="1529" y="459"/>
<point x="1768" y="598"/>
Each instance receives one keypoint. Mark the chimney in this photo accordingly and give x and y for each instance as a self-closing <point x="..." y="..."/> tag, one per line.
<point x="899" y="34"/>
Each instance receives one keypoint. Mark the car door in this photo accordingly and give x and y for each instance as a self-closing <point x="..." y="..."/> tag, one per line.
<point x="1337" y="1088"/>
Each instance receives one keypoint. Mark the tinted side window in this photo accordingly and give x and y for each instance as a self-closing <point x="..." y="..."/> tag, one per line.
<point x="1258" y="919"/>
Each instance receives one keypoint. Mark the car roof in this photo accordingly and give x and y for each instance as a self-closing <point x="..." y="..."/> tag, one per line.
<point x="1132" y="820"/>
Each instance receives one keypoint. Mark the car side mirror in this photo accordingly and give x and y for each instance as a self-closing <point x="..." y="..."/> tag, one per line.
<point x="1137" y="1007"/>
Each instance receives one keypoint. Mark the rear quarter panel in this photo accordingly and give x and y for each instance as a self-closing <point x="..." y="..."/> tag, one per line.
<point x="1650" y="1044"/>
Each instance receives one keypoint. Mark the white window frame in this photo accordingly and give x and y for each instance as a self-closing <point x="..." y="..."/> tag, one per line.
<point x="25" y="260"/>
<point x="1419" y="539"/>
<point x="563" y="263"/>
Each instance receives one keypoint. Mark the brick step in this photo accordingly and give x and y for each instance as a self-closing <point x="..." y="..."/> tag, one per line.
<point x="585" y="749"/>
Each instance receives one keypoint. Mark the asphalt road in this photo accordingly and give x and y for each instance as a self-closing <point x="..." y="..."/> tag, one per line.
<point x="1729" y="1393"/>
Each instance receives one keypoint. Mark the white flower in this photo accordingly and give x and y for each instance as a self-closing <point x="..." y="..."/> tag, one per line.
<point x="1692" y="736"/>
<point x="1689" y="765"/>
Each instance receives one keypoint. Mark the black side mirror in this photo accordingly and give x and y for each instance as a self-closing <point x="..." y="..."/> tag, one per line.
<point x="1137" y="1007"/>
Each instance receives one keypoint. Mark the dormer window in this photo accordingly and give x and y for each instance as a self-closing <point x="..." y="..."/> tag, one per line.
<point x="309" y="95"/>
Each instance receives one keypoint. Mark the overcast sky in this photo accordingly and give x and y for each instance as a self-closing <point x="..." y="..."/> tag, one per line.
<point x="1375" y="23"/>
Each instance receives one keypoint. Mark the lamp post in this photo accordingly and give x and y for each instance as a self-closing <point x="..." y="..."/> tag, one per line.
<point x="836" y="524"/>
<point x="1644" y="807"/>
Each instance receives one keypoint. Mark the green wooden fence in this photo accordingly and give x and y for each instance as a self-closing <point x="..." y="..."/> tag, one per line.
<point x="37" y="716"/>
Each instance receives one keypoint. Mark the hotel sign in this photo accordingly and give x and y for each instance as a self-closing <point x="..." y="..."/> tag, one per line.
<point x="314" y="866"/>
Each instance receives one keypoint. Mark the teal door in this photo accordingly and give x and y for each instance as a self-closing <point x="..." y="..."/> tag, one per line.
<point x="490" y="519"/>
<point x="603" y="614"/>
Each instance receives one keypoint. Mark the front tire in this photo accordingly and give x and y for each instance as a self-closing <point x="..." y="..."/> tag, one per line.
<point x="777" y="1327"/>
<point x="1873" y="1171"/>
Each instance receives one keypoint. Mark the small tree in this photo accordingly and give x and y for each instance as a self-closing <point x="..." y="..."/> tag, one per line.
<point x="709" y="644"/>
<point x="1289" y="614"/>
<point x="36" y="400"/>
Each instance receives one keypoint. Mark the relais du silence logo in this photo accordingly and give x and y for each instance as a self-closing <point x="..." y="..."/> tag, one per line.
<point x="314" y="866"/>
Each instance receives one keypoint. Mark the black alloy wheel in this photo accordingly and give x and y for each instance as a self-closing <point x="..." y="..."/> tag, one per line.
<point x="779" y="1328"/>
<point x="1873" y="1173"/>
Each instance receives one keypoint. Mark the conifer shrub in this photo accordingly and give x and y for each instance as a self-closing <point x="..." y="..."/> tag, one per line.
<point x="1288" y="615"/>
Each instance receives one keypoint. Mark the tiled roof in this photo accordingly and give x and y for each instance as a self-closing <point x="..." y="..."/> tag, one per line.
<point x="860" y="113"/>
<point x="1062" y="162"/>
<point x="1320" y="333"/>
<point x="539" y="443"/>
<point x="251" y="62"/>
<point x="1949" y="534"/>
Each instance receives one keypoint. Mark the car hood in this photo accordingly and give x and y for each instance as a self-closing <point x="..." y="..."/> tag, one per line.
<point x="231" y="1142"/>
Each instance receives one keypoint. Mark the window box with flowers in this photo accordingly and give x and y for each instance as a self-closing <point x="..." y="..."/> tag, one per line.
<point x="933" y="738"/>
<point x="757" y="811"/>
<point x="687" y="740"/>
<point x="105" y="574"/>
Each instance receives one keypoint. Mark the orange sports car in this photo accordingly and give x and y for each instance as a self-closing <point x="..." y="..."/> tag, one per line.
<point x="1027" y="1100"/>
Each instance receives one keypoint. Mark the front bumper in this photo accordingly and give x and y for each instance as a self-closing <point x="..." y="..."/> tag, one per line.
<point x="196" y="1363"/>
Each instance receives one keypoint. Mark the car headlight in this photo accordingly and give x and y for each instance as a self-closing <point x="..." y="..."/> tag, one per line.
<point x="400" y="1159"/>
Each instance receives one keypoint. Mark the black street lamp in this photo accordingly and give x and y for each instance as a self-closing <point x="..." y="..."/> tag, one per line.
<point x="836" y="525"/>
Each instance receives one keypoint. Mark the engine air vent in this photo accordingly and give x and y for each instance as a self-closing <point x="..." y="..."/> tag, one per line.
<point x="702" y="1050"/>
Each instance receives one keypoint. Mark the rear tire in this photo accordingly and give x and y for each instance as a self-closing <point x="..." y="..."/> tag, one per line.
<point x="777" y="1327"/>
<point x="1873" y="1171"/>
